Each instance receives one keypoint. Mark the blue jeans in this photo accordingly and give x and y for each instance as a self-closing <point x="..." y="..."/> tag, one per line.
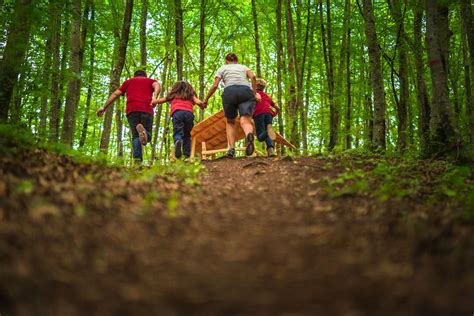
<point x="183" y="122"/>
<point x="261" y="122"/>
<point x="135" y="118"/>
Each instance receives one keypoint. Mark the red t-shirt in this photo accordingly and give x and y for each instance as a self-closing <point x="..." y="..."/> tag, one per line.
<point x="183" y="105"/>
<point x="139" y="92"/>
<point x="264" y="105"/>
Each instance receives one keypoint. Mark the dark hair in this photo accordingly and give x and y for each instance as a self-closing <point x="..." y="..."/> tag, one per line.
<point x="231" y="57"/>
<point x="140" y="73"/>
<point x="181" y="90"/>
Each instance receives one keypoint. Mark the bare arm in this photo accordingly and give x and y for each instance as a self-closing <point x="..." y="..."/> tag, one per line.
<point x="115" y="95"/>
<point x="159" y="101"/>
<point x="156" y="92"/>
<point x="276" y="107"/>
<point x="254" y="84"/>
<point x="201" y="104"/>
<point x="212" y="90"/>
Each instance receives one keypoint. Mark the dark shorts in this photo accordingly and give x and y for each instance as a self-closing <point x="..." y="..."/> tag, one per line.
<point x="238" y="99"/>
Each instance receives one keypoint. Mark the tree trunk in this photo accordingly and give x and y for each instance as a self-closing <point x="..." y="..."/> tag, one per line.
<point x="14" y="53"/>
<point x="179" y="38"/>
<point x="57" y="73"/>
<point x="443" y="138"/>
<point x="309" y="39"/>
<point x="468" y="44"/>
<point x="257" y="40"/>
<point x="167" y="65"/>
<point x="328" y="62"/>
<point x="202" y="53"/>
<point x="402" y="104"/>
<point x="279" y="68"/>
<point x="143" y="19"/>
<point x="119" y="125"/>
<point x="421" y="90"/>
<point x="292" y="108"/>
<point x="78" y="39"/>
<point x="348" y="90"/>
<point x="376" y="76"/>
<point x="46" y="75"/>
<point x="90" y="80"/>
<point x="116" y="73"/>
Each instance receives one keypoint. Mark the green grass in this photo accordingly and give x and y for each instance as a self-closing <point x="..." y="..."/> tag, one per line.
<point x="397" y="179"/>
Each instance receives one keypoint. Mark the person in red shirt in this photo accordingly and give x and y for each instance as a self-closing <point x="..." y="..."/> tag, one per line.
<point x="140" y="91"/>
<point x="182" y="97"/>
<point x="263" y="117"/>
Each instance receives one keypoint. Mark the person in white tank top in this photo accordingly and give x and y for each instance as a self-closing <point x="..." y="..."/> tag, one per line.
<point x="239" y="96"/>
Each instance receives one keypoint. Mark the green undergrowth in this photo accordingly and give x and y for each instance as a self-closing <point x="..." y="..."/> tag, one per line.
<point x="15" y="137"/>
<point x="396" y="179"/>
<point x="182" y="171"/>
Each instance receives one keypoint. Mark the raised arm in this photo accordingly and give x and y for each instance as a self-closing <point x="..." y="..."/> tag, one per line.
<point x="115" y="95"/>
<point x="212" y="90"/>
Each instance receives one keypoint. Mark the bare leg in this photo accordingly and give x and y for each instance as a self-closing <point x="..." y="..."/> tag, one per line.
<point x="246" y="123"/>
<point x="230" y="130"/>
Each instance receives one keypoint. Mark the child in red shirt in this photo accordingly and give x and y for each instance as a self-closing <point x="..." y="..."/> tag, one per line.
<point x="182" y="97"/>
<point x="263" y="117"/>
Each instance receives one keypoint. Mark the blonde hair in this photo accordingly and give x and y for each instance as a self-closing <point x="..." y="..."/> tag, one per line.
<point x="261" y="84"/>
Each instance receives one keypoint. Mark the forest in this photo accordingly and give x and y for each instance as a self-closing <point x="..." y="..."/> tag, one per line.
<point x="370" y="213"/>
<point x="388" y="76"/>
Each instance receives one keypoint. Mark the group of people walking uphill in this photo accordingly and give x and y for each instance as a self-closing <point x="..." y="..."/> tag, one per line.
<point x="240" y="97"/>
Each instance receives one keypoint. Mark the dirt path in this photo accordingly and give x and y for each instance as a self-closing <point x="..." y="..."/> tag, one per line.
<point x="257" y="237"/>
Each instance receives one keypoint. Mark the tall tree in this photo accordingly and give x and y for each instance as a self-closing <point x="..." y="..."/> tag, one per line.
<point x="347" y="51"/>
<point x="202" y="52"/>
<point x="78" y="39"/>
<point x="292" y="108"/>
<point x="376" y="76"/>
<point x="90" y="80"/>
<point x="143" y="20"/>
<point x="46" y="73"/>
<point x="179" y="40"/>
<point x="443" y="138"/>
<point x="55" y="102"/>
<point x="421" y="89"/>
<point x="257" y="39"/>
<point x="116" y="73"/>
<point x="14" y="53"/>
<point x="329" y="62"/>
<point x="280" y="66"/>
<point x="401" y="102"/>
<point x="468" y="45"/>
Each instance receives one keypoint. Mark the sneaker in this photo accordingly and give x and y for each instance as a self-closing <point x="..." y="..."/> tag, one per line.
<point x="230" y="153"/>
<point x="271" y="152"/>
<point x="142" y="135"/>
<point x="271" y="132"/>
<point x="178" y="149"/>
<point x="249" y="146"/>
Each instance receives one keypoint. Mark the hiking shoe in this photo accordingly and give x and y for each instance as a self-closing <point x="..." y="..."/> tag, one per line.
<point x="249" y="146"/>
<point x="271" y="152"/>
<point x="178" y="149"/>
<point x="230" y="153"/>
<point x="142" y="135"/>
<point x="271" y="132"/>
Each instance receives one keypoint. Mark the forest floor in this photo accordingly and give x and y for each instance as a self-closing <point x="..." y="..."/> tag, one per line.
<point x="256" y="236"/>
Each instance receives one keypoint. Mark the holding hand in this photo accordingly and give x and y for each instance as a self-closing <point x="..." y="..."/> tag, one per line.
<point x="100" y="111"/>
<point x="258" y="97"/>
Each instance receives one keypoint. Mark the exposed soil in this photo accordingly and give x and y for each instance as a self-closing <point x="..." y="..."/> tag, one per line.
<point x="256" y="237"/>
